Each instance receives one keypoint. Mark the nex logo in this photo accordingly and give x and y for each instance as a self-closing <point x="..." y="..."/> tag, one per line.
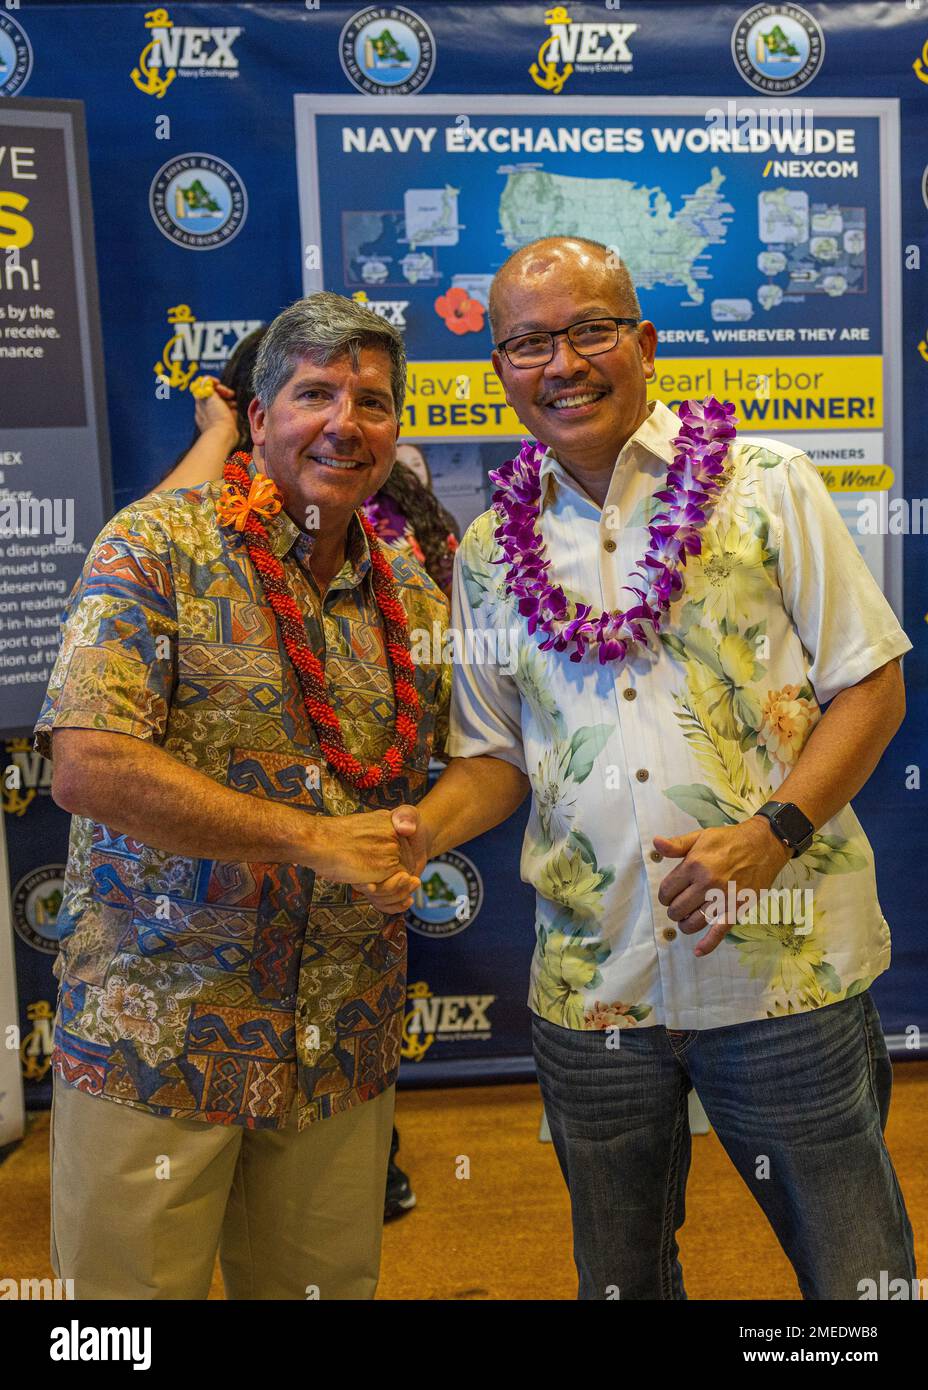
<point x="453" y="1013"/>
<point x="183" y="47"/>
<point x="171" y="47"/>
<point x="570" y="43"/>
<point x="206" y="339"/>
<point x="390" y="309"/>
<point x="580" y="43"/>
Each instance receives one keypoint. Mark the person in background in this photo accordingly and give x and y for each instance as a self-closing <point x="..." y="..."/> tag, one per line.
<point x="412" y="457"/>
<point x="409" y="516"/>
<point x="405" y="513"/>
<point x="221" y="419"/>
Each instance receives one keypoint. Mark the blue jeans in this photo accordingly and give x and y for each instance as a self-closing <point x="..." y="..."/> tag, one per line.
<point x="799" y="1103"/>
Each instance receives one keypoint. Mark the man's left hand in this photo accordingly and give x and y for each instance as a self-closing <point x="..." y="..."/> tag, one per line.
<point x="748" y="855"/>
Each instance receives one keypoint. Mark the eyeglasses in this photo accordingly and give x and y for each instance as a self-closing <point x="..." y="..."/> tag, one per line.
<point x="589" y="337"/>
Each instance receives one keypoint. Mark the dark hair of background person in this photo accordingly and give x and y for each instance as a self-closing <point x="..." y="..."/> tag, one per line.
<point x="237" y="375"/>
<point x="410" y="444"/>
<point x="431" y="522"/>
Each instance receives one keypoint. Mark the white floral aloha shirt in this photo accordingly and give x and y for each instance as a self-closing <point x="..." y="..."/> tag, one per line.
<point x="698" y="728"/>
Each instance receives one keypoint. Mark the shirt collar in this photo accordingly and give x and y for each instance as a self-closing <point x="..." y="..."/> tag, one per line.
<point x="653" y="435"/>
<point x="285" y="536"/>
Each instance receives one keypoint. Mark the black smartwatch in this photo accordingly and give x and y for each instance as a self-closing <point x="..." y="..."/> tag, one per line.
<point x="788" y="824"/>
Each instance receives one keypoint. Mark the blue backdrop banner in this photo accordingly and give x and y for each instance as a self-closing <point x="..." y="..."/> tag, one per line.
<point x="242" y="154"/>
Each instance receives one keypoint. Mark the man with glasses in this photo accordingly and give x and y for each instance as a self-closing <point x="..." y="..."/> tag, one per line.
<point x="685" y="604"/>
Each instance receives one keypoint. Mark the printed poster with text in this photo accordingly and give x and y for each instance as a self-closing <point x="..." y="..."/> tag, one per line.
<point x="760" y="247"/>
<point x="54" y="447"/>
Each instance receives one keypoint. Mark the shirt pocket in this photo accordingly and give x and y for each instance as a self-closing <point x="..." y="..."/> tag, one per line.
<point x="98" y="935"/>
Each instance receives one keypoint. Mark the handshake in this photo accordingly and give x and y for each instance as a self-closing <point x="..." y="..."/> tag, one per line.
<point x="380" y="853"/>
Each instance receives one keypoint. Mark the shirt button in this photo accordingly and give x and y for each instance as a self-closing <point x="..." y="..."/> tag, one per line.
<point x="629" y="693"/>
<point x="642" y="774"/>
<point x="669" y="933"/>
<point x="656" y="856"/>
<point x="609" y="545"/>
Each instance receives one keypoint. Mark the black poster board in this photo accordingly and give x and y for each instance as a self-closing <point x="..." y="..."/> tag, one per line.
<point x="55" y="487"/>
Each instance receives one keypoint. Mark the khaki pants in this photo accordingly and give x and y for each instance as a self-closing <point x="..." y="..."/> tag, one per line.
<point x="140" y="1203"/>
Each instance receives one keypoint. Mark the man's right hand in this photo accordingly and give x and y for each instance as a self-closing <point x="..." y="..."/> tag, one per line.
<point x="365" y="847"/>
<point x="394" y="894"/>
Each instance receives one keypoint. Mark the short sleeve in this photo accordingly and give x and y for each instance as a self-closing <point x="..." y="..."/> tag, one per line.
<point x="486" y="706"/>
<point x="116" y="666"/>
<point x="843" y="619"/>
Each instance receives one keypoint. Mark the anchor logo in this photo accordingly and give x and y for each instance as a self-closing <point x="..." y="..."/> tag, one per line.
<point x="920" y="66"/>
<point x="414" y="1045"/>
<point x="169" y="370"/>
<point x="36" y="1047"/>
<point x="148" y="79"/>
<point x="545" y="73"/>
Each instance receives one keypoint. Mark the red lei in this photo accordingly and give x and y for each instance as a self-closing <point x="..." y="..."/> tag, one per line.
<point x="241" y="504"/>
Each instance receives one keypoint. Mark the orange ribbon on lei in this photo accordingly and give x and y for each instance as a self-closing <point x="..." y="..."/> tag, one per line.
<point x="232" y="509"/>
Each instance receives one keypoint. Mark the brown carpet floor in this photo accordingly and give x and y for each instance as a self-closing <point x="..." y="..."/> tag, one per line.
<point x="504" y="1231"/>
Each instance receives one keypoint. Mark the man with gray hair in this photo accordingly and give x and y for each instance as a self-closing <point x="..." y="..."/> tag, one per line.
<point x="234" y="687"/>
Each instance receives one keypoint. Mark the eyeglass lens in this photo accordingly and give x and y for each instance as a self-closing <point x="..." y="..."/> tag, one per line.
<point x="589" y="337"/>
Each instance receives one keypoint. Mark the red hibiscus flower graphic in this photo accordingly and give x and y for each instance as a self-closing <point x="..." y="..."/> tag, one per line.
<point x="460" y="313"/>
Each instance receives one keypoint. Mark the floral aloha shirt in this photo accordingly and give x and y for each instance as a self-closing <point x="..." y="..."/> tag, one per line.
<point x="207" y="989"/>
<point x="697" y="728"/>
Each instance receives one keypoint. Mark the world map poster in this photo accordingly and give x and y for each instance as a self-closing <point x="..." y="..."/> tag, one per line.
<point x="757" y="240"/>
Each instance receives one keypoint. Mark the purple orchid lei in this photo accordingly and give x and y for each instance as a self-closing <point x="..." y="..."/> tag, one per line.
<point x="693" y="481"/>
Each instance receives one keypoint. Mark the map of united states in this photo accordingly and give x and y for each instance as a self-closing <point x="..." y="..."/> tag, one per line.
<point x="659" y="246"/>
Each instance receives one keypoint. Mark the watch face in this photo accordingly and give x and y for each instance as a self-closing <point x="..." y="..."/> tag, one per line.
<point x="793" y="824"/>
